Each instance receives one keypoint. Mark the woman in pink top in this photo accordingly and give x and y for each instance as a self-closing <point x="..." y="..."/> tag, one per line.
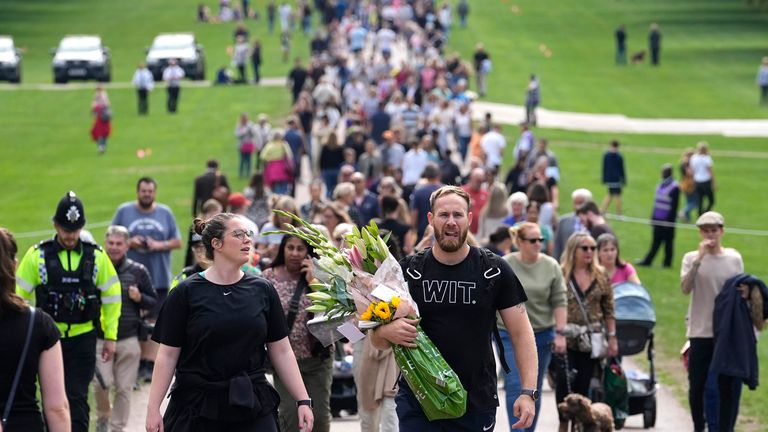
<point x="616" y="268"/>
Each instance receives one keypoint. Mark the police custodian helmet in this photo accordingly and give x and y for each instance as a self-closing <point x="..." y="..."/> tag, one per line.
<point x="70" y="213"/>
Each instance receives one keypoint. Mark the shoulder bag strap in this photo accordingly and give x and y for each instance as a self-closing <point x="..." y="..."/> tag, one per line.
<point x="12" y="394"/>
<point x="293" y="306"/>
<point x="581" y="305"/>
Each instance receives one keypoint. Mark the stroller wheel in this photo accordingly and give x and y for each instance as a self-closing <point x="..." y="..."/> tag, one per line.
<point x="649" y="413"/>
<point x="618" y="424"/>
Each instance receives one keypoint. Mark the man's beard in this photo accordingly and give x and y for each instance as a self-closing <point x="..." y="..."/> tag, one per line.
<point x="451" y="244"/>
<point x="146" y="204"/>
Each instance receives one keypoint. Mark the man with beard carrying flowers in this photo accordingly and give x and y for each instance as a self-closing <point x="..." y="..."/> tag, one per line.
<point x="458" y="290"/>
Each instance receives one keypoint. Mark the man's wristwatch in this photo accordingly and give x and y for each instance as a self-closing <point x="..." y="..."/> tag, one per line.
<point x="307" y="402"/>
<point x="532" y="393"/>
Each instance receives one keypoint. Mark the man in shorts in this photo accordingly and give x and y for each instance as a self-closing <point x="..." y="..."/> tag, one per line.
<point x="614" y="176"/>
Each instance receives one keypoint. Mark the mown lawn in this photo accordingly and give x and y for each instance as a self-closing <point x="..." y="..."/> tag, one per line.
<point x="47" y="149"/>
<point x="710" y="53"/>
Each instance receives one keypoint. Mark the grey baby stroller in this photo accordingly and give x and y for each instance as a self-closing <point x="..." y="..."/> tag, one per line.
<point x="635" y="319"/>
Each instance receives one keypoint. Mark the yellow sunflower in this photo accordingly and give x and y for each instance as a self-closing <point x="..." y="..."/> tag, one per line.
<point x="395" y="301"/>
<point x="382" y="311"/>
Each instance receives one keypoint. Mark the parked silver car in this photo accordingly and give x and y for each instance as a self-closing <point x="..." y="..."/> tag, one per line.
<point x="10" y="60"/>
<point x="81" y="57"/>
<point x="180" y="46"/>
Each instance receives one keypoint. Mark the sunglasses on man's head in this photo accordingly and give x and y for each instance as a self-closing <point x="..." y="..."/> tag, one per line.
<point x="588" y="248"/>
<point x="533" y="240"/>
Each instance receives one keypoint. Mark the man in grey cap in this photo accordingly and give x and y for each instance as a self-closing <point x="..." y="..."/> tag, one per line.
<point x="703" y="275"/>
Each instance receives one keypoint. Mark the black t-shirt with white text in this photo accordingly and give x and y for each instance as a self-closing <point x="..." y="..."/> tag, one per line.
<point x="458" y="313"/>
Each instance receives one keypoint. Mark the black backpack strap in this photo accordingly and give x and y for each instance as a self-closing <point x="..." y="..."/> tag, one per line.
<point x="500" y="345"/>
<point x="22" y="360"/>
<point x="416" y="266"/>
<point x="293" y="306"/>
<point x="492" y="273"/>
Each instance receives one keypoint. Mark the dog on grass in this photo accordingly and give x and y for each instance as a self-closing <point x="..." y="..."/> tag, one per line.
<point x="584" y="415"/>
<point x="637" y="57"/>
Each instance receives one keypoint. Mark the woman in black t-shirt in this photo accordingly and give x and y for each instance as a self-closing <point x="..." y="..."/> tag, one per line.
<point x="215" y="331"/>
<point x="43" y="355"/>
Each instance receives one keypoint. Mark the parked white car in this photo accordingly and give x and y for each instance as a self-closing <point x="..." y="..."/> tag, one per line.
<point x="81" y="57"/>
<point x="10" y="60"/>
<point x="180" y="46"/>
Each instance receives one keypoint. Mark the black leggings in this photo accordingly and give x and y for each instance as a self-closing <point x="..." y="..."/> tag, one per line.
<point x="704" y="189"/>
<point x="584" y="367"/>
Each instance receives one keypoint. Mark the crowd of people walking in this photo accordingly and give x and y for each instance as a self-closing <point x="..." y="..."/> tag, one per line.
<point x="384" y="118"/>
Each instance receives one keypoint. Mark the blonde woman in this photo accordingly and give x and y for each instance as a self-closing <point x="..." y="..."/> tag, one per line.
<point x="584" y="278"/>
<point x="546" y="306"/>
<point x="494" y="211"/>
<point x="277" y="158"/>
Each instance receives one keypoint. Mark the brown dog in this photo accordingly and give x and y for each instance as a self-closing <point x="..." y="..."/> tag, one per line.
<point x="637" y="57"/>
<point x="584" y="415"/>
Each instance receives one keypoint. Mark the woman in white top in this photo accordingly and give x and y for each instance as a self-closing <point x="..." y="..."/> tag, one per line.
<point x="462" y="123"/>
<point x="703" y="177"/>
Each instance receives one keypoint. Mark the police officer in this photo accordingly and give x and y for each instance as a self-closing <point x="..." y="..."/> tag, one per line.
<point x="75" y="282"/>
<point x="201" y="262"/>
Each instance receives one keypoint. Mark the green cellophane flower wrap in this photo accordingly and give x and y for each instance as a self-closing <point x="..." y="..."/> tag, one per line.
<point x="433" y="382"/>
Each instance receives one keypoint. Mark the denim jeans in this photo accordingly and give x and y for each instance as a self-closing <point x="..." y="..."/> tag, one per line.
<point x="464" y="146"/>
<point x="330" y="178"/>
<point x="512" y="386"/>
<point x="281" y="188"/>
<point x="411" y="417"/>
<point x="691" y="202"/>
<point x="245" y="164"/>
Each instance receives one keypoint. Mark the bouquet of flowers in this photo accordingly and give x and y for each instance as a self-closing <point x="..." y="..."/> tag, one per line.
<point x="365" y="281"/>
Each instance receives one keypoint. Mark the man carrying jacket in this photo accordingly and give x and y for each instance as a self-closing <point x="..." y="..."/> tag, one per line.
<point x="703" y="274"/>
<point x="75" y="282"/>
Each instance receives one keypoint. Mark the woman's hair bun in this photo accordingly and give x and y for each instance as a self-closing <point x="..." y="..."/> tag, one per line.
<point x="199" y="225"/>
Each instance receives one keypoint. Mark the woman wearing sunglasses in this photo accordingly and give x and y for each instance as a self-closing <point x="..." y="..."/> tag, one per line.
<point x="291" y="273"/>
<point x="586" y="279"/>
<point x="543" y="281"/>
<point x="215" y="332"/>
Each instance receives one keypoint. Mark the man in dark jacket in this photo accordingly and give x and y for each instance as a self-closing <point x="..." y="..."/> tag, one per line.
<point x="121" y="371"/>
<point x="614" y="176"/>
<point x="663" y="217"/>
<point x="654" y="43"/>
<point x="206" y="184"/>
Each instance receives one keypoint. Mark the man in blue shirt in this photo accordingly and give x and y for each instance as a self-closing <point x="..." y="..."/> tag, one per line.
<point x="367" y="202"/>
<point x="420" y="205"/>
<point x="154" y="234"/>
<point x="295" y="140"/>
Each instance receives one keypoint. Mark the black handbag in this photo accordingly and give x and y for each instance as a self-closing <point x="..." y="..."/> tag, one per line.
<point x="17" y="376"/>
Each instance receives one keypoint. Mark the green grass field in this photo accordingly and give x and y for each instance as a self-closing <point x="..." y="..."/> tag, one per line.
<point x="710" y="53"/>
<point x="710" y="56"/>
